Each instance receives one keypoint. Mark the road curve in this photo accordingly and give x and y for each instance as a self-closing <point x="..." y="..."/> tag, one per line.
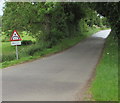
<point x="55" y="78"/>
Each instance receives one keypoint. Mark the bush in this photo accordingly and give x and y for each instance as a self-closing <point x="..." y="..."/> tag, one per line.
<point x="83" y="26"/>
<point x="33" y="49"/>
<point x="8" y="57"/>
<point x="5" y="38"/>
<point x="27" y="42"/>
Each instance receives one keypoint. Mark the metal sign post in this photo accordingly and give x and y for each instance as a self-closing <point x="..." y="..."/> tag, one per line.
<point x="15" y="41"/>
<point x="16" y="52"/>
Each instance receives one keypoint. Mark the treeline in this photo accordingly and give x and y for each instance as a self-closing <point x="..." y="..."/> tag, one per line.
<point x="111" y="10"/>
<point x="51" y="21"/>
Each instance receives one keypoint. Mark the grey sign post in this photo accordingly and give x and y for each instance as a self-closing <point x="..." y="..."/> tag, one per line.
<point x="16" y="52"/>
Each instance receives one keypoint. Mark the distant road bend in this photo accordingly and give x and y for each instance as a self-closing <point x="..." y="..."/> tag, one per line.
<point x="55" y="78"/>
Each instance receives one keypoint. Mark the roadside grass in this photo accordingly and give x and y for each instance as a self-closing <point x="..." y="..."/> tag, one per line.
<point x="105" y="84"/>
<point x="35" y="51"/>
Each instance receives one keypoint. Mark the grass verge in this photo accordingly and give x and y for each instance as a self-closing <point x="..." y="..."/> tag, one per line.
<point x="64" y="44"/>
<point x="105" y="85"/>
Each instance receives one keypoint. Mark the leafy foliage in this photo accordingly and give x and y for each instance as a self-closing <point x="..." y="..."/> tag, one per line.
<point x="111" y="10"/>
<point x="49" y="21"/>
<point x="26" y="42"/>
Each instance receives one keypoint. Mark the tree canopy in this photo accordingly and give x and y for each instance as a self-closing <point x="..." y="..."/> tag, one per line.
<point x="53" y="21"/>
<point x="111" y="10"/>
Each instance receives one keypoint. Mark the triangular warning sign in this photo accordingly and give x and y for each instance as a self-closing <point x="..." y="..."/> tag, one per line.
<point x="15" y="36"/>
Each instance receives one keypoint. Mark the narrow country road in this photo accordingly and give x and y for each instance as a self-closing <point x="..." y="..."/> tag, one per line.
<point x="59" y="77"/>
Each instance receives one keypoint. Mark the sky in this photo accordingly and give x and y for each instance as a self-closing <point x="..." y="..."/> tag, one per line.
<point x="1" y="6"/>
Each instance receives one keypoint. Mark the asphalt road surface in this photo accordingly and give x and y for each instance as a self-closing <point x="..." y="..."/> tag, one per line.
<point x="60" y="77"/>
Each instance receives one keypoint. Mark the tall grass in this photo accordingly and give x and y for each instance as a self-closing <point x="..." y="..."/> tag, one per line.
<point x="105" y="84"/>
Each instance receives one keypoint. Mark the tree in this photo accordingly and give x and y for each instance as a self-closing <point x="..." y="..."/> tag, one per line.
<point x="111" y="10"/>
<point x="54" y="20"/>
<point x="49" y="21"/>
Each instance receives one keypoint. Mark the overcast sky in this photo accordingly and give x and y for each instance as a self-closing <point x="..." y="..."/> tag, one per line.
<point x="1" y="6"/>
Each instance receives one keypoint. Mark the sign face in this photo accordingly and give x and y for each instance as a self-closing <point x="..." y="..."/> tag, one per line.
<point x="15" y="42"/>
<point x="15" y="36"/>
